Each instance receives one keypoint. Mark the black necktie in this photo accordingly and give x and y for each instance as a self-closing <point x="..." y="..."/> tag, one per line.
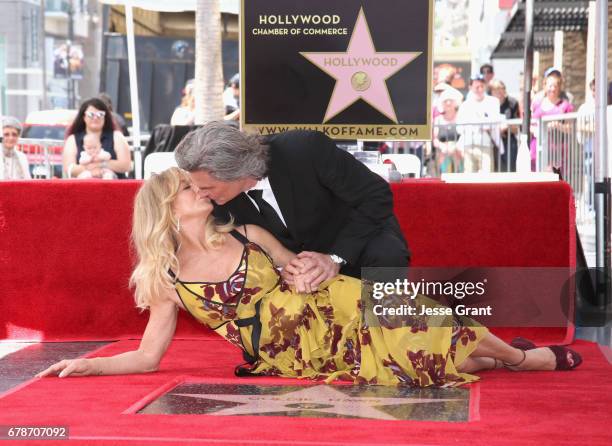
<point x="275" y="224"/>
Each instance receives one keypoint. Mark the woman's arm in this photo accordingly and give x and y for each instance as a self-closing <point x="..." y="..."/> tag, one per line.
<point x="69" y="161"/>
<point x="123" y="163"/>
<point x="155" y="341"/>
<point x="280" y="255"/>
<point x="292" y="264"/>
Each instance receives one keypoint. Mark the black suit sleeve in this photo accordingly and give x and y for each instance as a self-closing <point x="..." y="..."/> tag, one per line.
<point x="367" y="194"/>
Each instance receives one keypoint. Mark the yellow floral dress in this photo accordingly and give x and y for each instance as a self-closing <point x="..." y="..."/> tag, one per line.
<point x="322" y="335"/>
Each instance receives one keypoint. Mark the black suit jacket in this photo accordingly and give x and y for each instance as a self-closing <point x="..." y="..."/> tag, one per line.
<point x="331" y="202"/>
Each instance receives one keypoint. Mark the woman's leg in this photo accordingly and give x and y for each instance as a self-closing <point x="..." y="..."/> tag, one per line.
<point x="474" y="364"/>
<point x="491" y="348"/>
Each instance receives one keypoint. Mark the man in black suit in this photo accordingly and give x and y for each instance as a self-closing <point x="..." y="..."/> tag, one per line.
<point x="318" y="200"/>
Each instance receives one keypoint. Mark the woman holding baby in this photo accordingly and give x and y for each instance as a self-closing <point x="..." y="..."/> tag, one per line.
<point x="93" y="147"/>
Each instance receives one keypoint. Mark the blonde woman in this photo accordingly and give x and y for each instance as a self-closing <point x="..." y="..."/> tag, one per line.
<point x="318" y="335"/>
<point x="184" y="114"/>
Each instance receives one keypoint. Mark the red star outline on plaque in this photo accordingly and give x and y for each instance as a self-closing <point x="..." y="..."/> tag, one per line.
<point x="364" y="80"/>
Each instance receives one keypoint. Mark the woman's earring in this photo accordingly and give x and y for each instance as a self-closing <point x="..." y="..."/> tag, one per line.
<point x="178" y="224"/>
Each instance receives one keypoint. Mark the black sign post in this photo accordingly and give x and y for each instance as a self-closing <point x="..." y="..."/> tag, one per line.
<point x="351" y="69"/>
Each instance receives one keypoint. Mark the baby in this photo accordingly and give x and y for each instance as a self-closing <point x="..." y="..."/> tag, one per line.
<point x="93" y="153"/>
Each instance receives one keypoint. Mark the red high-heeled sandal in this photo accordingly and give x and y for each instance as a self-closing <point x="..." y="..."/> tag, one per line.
<point x="522" y="344"/>
<point x="561" y="355"/>
<point x="560" y="352"/>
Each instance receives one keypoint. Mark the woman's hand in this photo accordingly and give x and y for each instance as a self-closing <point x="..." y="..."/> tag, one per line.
<point x="155" y="341"/>
<point x="292" y="269"/>
<point x="300" y="284"/>
<point x="315" y="269"/>
<point x="67" y="367"/>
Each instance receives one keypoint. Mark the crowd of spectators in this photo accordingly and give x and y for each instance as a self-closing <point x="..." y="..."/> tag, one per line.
<point x="471" y="133"/>
<point x="475" y="133"/>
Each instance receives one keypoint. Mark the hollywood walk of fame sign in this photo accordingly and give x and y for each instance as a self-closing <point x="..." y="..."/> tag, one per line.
<point x="351" y="69"/>
<point x="318" y="401"/>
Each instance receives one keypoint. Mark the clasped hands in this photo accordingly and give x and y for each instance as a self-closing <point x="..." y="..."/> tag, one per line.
<point x="307" y="270"/>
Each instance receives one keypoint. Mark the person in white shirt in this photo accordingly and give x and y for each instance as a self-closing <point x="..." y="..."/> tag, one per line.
<point x="13" y="163"/>
<point x="231" y="99"/>
<point x="184" y="114"/>
<point x="479" y="140"/>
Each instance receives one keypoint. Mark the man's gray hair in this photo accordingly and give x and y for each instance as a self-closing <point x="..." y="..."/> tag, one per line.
<point x="224" y="152"/>
<point x="14" y="123"/>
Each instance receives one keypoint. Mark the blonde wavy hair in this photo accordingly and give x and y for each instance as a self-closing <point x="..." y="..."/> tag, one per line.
<point x="156" y="239"/>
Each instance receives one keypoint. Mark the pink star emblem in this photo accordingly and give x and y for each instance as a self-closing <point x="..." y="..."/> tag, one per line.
<point x="361" y="72"/>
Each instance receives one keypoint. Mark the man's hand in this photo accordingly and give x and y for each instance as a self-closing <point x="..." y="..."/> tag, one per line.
<point x="310" y="269"/>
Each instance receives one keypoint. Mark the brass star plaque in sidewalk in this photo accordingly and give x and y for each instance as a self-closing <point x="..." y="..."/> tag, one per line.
<point x="315" y="401"/>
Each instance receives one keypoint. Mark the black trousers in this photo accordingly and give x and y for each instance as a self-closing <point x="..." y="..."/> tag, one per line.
<point x="387" y="249"/>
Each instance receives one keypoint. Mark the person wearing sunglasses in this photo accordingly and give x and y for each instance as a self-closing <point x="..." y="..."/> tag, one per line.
<point x="94" y="118"/>
<point x="13" y="163"/>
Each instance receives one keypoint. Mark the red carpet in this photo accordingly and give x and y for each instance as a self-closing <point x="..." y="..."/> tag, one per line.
<point x="543" y="408"/>
<point x="64" y="260"/>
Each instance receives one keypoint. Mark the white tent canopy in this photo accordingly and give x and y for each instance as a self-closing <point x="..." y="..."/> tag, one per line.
<point x="227" y="6"/>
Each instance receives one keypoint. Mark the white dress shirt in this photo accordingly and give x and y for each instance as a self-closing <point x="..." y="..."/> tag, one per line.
<point x="267" y="195"/>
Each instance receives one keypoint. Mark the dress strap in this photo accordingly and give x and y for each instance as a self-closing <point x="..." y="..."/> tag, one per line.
<point x="246" y="369"/>
<point x="238" y="236"/>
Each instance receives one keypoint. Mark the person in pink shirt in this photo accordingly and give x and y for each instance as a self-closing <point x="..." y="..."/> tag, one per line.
<point x="552" y="102"/>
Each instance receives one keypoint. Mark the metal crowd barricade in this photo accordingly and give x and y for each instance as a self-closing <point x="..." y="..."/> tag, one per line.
<point x="44" y="156"/>
<point x="476" y="140"/>
<point x="137" y="162"/>
<point x="138" y="155"/>
<point x="565" y="142"/>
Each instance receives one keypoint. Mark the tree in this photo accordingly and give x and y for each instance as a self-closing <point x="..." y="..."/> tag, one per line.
<point x="208" y="62"/>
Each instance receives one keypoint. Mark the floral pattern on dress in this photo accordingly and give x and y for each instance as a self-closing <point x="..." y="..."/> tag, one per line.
<point x="217" y="311"/>
<point x="364" y="335"/>
<point x="466" y="335"/>
<point x="248" y="293"/>
<point x="233" y="334"/>
<point x="351" y="353"/>
<point x="430" y="369"/>
<point x="398" y="371"/>
<point x="324" y="335"/>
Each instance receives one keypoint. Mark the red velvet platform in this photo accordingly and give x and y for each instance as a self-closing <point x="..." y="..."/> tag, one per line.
<point x="65" y="258"/>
